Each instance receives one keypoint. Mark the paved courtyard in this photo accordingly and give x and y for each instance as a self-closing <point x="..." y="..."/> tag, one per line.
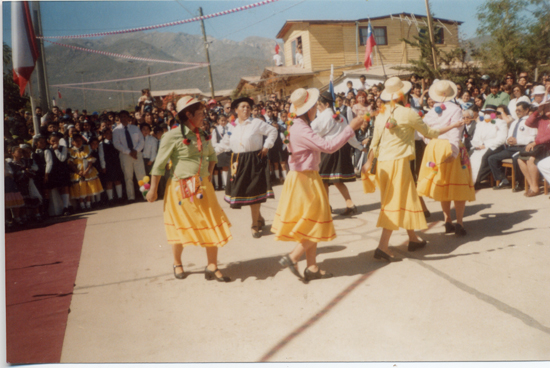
<point x="484" y="297"/>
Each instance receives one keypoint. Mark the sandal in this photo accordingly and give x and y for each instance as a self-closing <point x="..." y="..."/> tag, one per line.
<point x="350" y="211"/>
<point x="261" y="222"/>
<point x="179" y="276"/>
<point x="256" y="232"/>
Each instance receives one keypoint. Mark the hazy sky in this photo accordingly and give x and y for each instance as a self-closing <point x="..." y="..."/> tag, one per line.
<point x="77" y="17"/>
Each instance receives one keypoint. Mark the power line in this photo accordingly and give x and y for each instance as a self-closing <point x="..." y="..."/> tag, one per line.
<point x="261" y="20"/>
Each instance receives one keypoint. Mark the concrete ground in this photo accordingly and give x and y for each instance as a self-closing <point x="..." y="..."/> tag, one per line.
<point x="484" y="297"/>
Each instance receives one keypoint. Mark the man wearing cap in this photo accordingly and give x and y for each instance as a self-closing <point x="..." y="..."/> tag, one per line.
<point x="496" y="97"/>
<point x="129" y="141"/>
<point x="519" y="136"/>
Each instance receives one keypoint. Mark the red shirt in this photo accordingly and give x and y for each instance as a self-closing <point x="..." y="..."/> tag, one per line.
<point x="542" y="123"/>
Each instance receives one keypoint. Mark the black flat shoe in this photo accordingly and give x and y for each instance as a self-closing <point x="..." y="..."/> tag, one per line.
<point x="179" y="276"/>
<point x="211" y="275"/>
<point x="449" y="228"/>
<point x="256" y="232"/>
<point x="310" y="275"/>
<point x="459" y="230"/>
<point x="287" y="262"/>
<point x="416" y="245"/>
<point x="380" y="254"/>
<point x="350" y="211"/>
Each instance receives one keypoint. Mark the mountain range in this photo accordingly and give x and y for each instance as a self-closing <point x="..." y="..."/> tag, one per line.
<point x="230" y="60"/>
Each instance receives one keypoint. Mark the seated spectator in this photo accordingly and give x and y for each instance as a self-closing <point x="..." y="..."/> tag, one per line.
<point x="518" y="95"/>
<point x="538" y="95"/>
<point x="490" y="134"/>
<point x="536" y="151"/>
<point x="518" y="137"/>
<point x="465" y="101"/>
<point x="470" y="116"/>
<point x="504" y="114"/>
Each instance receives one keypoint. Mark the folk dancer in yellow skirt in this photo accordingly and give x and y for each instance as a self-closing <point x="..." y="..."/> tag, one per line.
<point x="445" y="174"/>
<point x="249" y="183"/>
<point x="192" y="214"/>
<point x="303" y="214"/>
<point x="85" y="182"/>
<point x="393" y="147"/>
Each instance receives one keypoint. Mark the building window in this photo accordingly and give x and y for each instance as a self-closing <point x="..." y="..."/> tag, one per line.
<point x="380" y="35"/>
<point x="294" y="45"/>
<point x="439" y="37"/>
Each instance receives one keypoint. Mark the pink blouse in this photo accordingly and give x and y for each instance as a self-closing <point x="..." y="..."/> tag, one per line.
<point x="306" y="146"/>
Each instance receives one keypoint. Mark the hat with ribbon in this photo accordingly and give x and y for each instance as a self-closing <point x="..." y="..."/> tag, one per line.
<point x="394" y="87"/>
<point x="303" y="100"/>
<point x="185" y="102"/>
<point x="443" y="91"/>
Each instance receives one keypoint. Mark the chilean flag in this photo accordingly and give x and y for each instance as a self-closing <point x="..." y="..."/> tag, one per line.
<point x="368" y="48"/>
<point x="24" y="47"/>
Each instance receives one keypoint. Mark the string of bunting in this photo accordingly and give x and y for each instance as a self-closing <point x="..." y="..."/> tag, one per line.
<point x="124" y="56"/>
<point x="102" y="90"/>
<point x="130" y="78"/>
<point x="170" y="24"/>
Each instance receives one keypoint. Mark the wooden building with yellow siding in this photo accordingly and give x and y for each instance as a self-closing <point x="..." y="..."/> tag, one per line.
<point x="341" y="43"/>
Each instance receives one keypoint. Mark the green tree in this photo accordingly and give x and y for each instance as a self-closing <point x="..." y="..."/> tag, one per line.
<point x="519" y="36"/>
<point x="452" y="65"/>
<point x="12" y="97"/>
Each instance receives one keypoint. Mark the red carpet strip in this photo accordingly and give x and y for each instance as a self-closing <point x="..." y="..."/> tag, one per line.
<point x="41" y="266"/>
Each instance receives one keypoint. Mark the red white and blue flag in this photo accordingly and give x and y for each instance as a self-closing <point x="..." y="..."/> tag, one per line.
<point x="369" y="46"/>
<point x="24" y="46"/>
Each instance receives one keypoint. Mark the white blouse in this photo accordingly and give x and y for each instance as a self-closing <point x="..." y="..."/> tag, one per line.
<point x="247" y="136"/>
<point x="328" y="128"/>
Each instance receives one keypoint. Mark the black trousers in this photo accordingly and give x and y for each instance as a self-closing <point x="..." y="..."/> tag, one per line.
<point x="495" y="162"/>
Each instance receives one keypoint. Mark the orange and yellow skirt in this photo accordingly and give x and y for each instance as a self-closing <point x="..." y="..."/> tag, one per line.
<point x="198" y="222"/>
<point x="303" y="212"/>
<point x="445" y="181"/>
<point x="400" y="205"/>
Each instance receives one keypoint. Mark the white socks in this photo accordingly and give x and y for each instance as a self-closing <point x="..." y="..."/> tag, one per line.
<point x="118" y="191"/>
<point x="277" y="173"/>
<point x="65" y="199"/>
<point x="284" y="174"/>
<point x="215" y="180"/>
<point x="88" y="205"/>
<point x="109" y="194"/>
<point x="224" y="178"/>
<point x="82" y="206"/>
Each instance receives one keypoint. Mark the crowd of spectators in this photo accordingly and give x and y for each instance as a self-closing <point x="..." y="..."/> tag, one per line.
<point x="120" y="147"/>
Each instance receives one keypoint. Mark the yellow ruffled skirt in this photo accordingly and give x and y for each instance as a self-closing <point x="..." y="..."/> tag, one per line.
<point x="303" y="212"/>
<point x="445" y="181"/>
<point x="400" y="205"/>
<point x="91" y="185"/>
<point x="201" y="222"/>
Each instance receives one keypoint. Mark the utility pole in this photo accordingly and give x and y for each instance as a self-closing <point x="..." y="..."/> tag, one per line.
<point x="42" y="75"/>
<point x="431" y="29"/>
<point x="149" y="78"/>
<point x="207" y="55"/>
<point x="83" y="91"/>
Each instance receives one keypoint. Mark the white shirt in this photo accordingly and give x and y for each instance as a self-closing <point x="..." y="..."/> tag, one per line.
<point x="247" y="136"/>
<point x="150" y="148"/>
<point x="299" y="60"/>
<point x="525" y="135"/>
<point x="490" y="135"/>
<point x="278" y="60"/>
<point x="61" y="156"/>
<point x="119" y="138"/>
<point x="222" y="131"/>
<point x="513" y="104"/>
<point x="449" y="116"/>
<point x="328" y="128"/>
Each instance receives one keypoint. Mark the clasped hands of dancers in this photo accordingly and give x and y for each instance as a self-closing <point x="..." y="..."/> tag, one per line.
<point x="193" y="216"/>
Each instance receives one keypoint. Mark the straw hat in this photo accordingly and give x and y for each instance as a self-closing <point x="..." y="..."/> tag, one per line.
<point x="185" y="102"/>
<point x="393" y="86"/>
<point x="303" y="100"/>
<point x="443" y="91"/>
